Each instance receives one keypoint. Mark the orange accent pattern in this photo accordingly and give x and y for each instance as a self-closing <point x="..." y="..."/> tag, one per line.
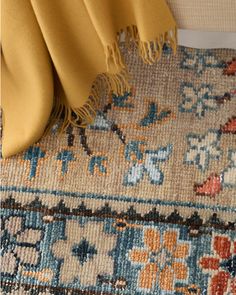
<point x="222" y="246"/>
<point x="163" y="259"/>
<point x="147" y="276"/>
<point x="211" y="187"/>
<point x="152" y="239"/>
<point x="138" y="255"/>
<point x="210" y="262"/>
<point x="230" y="68"/>
<point x="221" y="267"/>
<point x="229" y="126"/>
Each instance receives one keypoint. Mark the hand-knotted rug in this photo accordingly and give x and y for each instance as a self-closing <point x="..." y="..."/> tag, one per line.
<point x="141" y="202"/>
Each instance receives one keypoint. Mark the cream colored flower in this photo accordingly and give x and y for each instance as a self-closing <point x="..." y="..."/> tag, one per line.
<point x="85" y="252"/>
<point x="13" y="238"/>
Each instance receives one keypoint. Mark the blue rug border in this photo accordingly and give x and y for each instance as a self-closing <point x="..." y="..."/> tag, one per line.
<point x="154" y="202"/>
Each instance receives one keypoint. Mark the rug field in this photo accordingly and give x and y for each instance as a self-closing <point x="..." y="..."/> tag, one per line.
<point x="143" y="201"/>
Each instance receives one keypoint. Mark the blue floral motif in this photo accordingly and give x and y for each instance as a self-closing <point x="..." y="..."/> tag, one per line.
<point x="154" y="115"/>
<point x="83" y="251"/>
<point x="65" y="157"/>
<point x="202" y="148"/>
<point x="145" y="161"/>
<point x="97" y="165"/>
<point x="199" y="60"/>
<point x="33" y="154"/>
<point x="122" y="101"/>
<point x="197" y="100"/>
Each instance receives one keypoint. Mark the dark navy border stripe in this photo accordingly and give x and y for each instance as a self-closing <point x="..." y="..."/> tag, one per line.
<point x="114" y="198"/>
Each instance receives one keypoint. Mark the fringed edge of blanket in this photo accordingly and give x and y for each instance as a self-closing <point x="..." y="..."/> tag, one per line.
<point x="150" y="52"/>
<point x="83" y="116"/>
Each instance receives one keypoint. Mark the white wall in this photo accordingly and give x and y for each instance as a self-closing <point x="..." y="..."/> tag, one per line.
<point x="200" y="39"/>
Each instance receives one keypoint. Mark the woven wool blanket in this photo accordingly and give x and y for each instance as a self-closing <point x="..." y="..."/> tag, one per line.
<point x="57" y="56"/>
<point x="143" y="201"/>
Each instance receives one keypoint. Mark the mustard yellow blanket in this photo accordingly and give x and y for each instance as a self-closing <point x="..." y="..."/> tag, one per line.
<point x="58" y="54"/>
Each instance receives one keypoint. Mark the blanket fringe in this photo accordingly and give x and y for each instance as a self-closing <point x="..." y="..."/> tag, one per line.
<point x="150" y="51"/>
<point x="83" y="116"/>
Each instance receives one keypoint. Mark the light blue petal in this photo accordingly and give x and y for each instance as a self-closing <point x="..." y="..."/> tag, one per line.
<point x="161" y="154"/>
<point x="134" y="175"/>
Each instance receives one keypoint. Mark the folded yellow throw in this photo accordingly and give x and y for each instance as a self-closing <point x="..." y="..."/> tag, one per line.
<point x="58" y="54"/>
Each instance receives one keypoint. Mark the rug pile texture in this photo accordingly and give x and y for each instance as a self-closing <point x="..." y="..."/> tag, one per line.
<point x="141" y="202"/>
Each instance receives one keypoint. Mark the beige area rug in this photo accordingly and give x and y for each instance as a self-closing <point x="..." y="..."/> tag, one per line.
<point x="141" y="202"/>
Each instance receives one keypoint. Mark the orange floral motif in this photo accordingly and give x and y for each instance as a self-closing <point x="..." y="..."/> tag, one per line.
<point x="163" y="259"/>
<point x="221" y="266"/>
<point x="230" y="69"/>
